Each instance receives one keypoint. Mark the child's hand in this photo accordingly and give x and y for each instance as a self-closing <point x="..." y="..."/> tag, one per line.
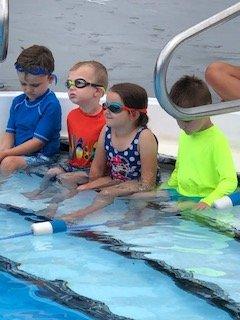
<point x="2" y="155"/>
<point x="201" y="206"/>
<point x="185" y="205"/>
<point x="82" y="187"/>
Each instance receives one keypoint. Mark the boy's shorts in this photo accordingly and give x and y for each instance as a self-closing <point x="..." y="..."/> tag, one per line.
<point x="175" y="196"/>
<point x="68" y="168"/>
<point x="38" y="160"/>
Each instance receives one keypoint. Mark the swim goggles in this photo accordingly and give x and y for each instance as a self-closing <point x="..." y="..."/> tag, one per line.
<point x="36" y="71"/>
<point x="81" y="83"/>
<point x="117" y="107"/>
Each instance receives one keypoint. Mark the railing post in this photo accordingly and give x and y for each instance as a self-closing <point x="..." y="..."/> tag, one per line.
<point x="4" y="27"/>
<point x="163" y="62"/>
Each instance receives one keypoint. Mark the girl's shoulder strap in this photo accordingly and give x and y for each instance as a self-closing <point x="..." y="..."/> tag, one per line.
<point x="107" y="137"/>
<point x="139" y="131"/>
<point x="142" y="129"/>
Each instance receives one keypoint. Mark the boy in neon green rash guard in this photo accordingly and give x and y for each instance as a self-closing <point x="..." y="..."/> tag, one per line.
<point x="204" y="166"/>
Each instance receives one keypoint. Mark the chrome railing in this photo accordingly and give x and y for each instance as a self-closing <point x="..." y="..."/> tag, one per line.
<point x="4" y="26"/>
<point x="164" y="58"/>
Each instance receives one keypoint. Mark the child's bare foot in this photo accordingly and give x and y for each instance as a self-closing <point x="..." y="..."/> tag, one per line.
<point x="49" y="212"/>
<point x="32" y="195"/>
<point x="36" y="195"/>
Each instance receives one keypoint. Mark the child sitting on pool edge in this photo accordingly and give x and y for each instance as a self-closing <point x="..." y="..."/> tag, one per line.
<point x="86" y="84"/>
<point x="204" y="166"/>
<point x="204" y="169"/>
<point x="126" y="145"/>
<point x="32" y="135"/>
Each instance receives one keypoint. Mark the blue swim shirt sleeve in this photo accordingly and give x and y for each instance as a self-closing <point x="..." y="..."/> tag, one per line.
<point x="226" y="169"/>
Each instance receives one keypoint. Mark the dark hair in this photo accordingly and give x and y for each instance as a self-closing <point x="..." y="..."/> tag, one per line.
<point x="189" y="91"/>
<point x="36" y="56"/>
<point x="101" y="75"/>
<point x="134" y="97"/>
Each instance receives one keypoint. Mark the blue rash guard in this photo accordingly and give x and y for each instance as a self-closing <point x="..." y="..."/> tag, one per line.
<point x="40" y="119"/>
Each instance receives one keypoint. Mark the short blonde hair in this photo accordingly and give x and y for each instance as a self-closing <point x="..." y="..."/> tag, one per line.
<point x="101" y="75"/>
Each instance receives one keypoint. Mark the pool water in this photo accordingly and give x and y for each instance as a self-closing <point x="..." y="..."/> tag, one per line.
<point x="21" y="300"/>
<point x="136" y="269"/>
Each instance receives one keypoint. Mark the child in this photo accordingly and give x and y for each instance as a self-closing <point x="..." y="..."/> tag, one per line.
<point x="32" y="136"/>
<point x="224" y="79"/>
<point x="87" y="82"/>
<point x="129" y="148"/>
<point x="204" y="166"/>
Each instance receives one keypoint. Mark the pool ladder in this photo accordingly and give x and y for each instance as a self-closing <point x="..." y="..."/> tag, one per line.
<point x="4" y="26"/>
<point x="163" y="62"/>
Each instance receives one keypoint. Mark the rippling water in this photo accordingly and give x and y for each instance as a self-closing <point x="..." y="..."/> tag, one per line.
<point x="125" y="35"/>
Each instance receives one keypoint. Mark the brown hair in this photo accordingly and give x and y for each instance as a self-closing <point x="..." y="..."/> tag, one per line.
<point x="101" y="75"/>
<point x="36" y="56"/>
<point x="189" y="91"/>
<point x="134" y="97"/>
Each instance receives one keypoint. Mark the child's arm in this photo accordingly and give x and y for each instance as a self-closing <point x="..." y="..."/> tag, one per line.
<point x="98" y="165"/>
<point x="223" y="163"/>
<point x="25" y="148"/>
<point x="98" y="183"/>
<point x="148" y="154"/>
<point x="7" y="141"/>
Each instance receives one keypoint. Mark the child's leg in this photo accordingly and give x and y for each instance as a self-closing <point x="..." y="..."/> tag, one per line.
<point x="100" y="202"/>
<point x="104" y="198"/>
<point x="12" y="163"/>
<point x="159" y="194"/>
<point x="69" y="182"/>
<point x="224" y="78"/>
<point x="45" y="183"/>
<point x="73" y="179"/>
<point x="67" y="193"/>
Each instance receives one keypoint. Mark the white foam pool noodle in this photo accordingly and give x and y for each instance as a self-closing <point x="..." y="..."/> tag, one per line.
<point x="224" y="202"/>
<point x="41" y="228"/>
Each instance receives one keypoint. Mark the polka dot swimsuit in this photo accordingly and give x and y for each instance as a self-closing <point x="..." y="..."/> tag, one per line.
<point x="124" y="165"/>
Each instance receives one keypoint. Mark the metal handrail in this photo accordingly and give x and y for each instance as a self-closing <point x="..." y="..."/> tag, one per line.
<point x="4" y="27"/>
<point x="163" y="62"/>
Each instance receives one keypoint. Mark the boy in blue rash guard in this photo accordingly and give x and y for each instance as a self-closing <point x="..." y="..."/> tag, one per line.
<point x="32" y="135"/>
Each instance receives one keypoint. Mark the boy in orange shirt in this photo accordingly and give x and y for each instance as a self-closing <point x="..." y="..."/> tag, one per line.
<point x="86" y="83"/>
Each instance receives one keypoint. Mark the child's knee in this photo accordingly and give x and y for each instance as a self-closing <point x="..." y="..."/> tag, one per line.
<point x="213" y="70"/>
<point x="10" y="164"/>
<point x="66" y="176"/>
<point x="53" y="172"/>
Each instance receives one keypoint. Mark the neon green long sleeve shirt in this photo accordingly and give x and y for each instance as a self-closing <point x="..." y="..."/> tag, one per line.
<point x="204" y="166"/>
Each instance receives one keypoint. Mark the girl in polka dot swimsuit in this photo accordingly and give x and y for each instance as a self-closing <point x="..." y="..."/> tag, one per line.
<point x="126" y="157"/>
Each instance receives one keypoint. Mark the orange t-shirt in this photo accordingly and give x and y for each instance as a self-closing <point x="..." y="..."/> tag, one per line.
<point x="83" y="133"/>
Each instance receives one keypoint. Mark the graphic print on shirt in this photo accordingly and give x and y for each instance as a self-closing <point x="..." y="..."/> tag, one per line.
<point x="78" y="149"/>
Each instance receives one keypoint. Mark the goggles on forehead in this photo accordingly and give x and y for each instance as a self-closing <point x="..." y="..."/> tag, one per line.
<point x="81" y="83"/>
<point x="117" y="107"/>
<point x="36" y="71"/>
